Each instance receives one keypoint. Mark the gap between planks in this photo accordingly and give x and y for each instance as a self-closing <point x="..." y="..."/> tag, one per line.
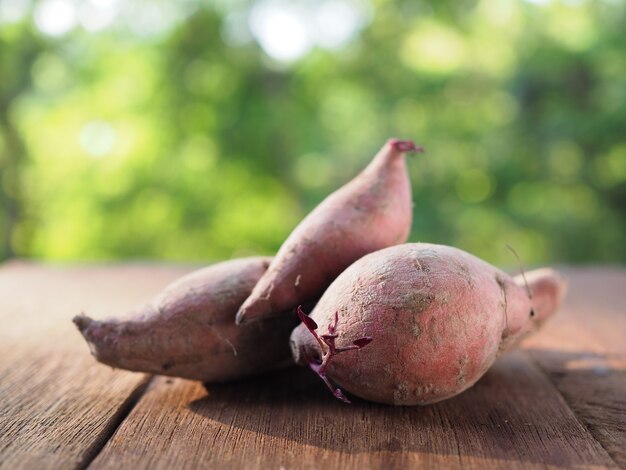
<point x="539" y="361"/>
<point x="26" y="316"/>
<point x="116" y="421"/>
<point x="58" y="407"/>
<point x="580" y="417"/>
<point x="583" y="354"/>
<point x="575" y="412"/>
<point x="512" y="419"/>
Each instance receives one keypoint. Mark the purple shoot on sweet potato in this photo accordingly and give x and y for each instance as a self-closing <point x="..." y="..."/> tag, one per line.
<point x="329" y="349"/>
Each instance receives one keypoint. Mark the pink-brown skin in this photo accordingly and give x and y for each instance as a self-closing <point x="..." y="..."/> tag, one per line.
<point x="189" y="330"/>
<point x="437" y="317"/>
<point x="371" y="212"/>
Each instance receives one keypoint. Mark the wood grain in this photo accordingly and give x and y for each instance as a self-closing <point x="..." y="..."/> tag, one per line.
<point x="557" y="403"/>
<point x="583" y="351"/>
<point x="513" y="418"/>
<point x="58" y="407"/>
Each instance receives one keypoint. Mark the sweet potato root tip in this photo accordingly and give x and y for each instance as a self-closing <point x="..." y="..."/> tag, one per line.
<point x="240" y="318"/>
<point x="188" y="329"/>
<point x="82" y="321"/>
<point x="245" y="316"/>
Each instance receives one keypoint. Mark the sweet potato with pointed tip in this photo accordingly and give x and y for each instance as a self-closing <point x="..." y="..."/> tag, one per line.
<point x="189" y="330"/>
<point x="371" y="212"/>
<point x="418" y="323"/>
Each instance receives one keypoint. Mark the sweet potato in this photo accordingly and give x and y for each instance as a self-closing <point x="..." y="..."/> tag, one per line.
<point x="371" y="212"/>
<point x="435" y="318"/>
<point x="189" y="330"/>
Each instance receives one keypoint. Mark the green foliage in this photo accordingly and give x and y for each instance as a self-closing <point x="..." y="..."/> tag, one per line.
<point x="184" y="146"/>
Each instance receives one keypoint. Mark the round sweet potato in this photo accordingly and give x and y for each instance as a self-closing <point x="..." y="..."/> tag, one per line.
<point x="437" y="318"/>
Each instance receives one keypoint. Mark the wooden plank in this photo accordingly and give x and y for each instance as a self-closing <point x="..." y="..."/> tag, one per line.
<point x="583" y="350"/>
<point x="513" y="418"/>
<point x="57" y="405"/>
<point x="58" y="408"/>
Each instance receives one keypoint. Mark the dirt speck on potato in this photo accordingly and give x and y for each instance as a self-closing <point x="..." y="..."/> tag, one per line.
<point x="460" y="377"/>
<point x="464" y="271"/>
<point x="442" y="298"/>
<point x="421" y="301"/>
<point x="401" y="393"/>
<point x="504" y="303"/>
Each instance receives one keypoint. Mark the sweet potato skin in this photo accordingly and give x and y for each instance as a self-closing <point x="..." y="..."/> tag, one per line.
<point x="188" y="330"/>
<point x="371" y="212"/>
<point x="438" y="316"/>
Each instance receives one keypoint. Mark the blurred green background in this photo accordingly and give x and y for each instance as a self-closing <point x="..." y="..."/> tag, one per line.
<point x="202" y="130"/>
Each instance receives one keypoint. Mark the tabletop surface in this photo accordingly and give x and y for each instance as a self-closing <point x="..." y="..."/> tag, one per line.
<point x="557" y="402"/>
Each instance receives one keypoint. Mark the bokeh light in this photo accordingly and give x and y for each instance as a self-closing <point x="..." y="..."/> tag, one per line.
<point x="280" y="30"/>
<point x="202" y="130"/>
<point x="55" y="17"/>
<point x="287" y="30"/>
<point x="97" y="138"/>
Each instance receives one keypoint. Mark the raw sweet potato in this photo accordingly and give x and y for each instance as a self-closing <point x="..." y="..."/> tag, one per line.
<point x="371" y="212"/>
<point x="418" y="323"/>
<point x="189" y="330"/>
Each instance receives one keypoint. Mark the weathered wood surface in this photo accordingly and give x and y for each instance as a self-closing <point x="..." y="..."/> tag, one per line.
<point x="583" y="351"/>
<point x="57" y="406"/>
<point x="559" y="402"/>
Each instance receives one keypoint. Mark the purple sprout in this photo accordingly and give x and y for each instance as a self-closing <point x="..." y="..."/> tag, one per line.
<point x="329" y="349"/>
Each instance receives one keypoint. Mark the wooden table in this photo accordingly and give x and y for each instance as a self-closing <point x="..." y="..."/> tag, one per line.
<point x="559" y="402"/>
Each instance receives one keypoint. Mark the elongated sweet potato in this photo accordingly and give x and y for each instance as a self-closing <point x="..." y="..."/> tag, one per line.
<point x="418" y="323"/>
<point x="371" y="212"/>
<point x="189" y="330"/>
